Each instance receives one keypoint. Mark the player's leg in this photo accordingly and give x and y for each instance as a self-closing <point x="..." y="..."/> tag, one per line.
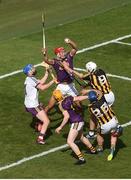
<point x="103" y="129"/>
<point x="87" y="143"/>
<point x="91" y="133"/>
<point x="115" y="133"/>
<point x="51" y="104"/>
<point x="111" y="127"/>
<point x="44" y="118"/>
<point x="100" y="142"/>
<point x="73" y="133"/>
<point x="83" y="139"/>
<point x="113" y="147"/>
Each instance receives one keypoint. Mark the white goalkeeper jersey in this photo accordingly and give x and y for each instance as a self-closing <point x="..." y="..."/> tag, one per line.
<point x="31" y="92"/>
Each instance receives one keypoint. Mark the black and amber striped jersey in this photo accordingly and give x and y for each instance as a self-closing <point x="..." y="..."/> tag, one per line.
<point x="100" y="111"/>
<point x="98" y="80"/>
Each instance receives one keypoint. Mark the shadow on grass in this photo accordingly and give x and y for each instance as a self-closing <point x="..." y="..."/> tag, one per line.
<point x="120" y="145"/>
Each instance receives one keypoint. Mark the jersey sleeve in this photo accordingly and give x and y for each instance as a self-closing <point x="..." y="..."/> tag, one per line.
<point x="34" y="82"/>
<point x="67" y="103"/>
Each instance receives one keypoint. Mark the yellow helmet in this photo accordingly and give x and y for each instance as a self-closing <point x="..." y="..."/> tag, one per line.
<point x="57" y="95"/>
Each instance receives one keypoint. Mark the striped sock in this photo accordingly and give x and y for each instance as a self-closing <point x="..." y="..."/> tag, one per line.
<point x="80" y="157"/>
<point x="92" y="149"/>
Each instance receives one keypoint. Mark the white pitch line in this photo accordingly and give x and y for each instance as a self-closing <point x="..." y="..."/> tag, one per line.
<point x="10" y="74"/>
<point x="119" y="77"/>
<point x="43" y="154"/>
<point x="104" y="43"/>
<point x="126" y="124"/>
<point x="124" y="43"/>
<point x="78" y="52"/>
<point x="14" y="72"/>
<point x="33" y="157"/>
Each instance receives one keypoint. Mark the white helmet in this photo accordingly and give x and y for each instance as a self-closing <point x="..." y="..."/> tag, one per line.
<point x="91" y="66"/>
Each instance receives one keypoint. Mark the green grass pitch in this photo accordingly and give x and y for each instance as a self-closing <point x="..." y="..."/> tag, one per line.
<point x="88" y="22"/>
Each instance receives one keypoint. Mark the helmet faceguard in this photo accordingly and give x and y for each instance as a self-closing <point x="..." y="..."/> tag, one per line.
<point x="91" y="66"/>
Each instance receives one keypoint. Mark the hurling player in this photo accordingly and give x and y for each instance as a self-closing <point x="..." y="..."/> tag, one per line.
<point x="72" y="115"/>
<point x="105" y="119"/>
<point x="98" y="80"/>
<point x="31" y="102"/>
<point x="65" y="80"/>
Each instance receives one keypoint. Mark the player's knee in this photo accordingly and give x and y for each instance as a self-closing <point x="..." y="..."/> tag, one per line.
<point x="118" y="131"/>
<point x="69" y="142"/>
<point x="46" y="121"/>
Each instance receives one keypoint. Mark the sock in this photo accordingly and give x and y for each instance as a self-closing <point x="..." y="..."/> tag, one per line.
<point x="80" y="157"/>
<point x="91" y="132"/>
<point x="41" y="136"/>
<point x="100" y="148"/>
<point x="112" y="148"/>
<point x="92" y="149"/>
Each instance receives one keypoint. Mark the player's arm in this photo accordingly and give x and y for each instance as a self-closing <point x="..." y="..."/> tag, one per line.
<point x="80" y="98"/>
<point x="72" y="45"/>
<point x="86" y="91"/>
<point x="80" y="75"/>
<point x="46" y="59"/>
<point x="64" y="122"/>
<point x="71" y="71"/>
<point x="60" y="107"/>
<point x="43" y="80"/>
<point x="43" y="87"/>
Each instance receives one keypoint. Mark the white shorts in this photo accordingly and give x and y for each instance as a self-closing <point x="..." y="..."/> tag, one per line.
<point x="77" y="126"/>
<point x="67" y="89"/>
<point x="110" y="98"/>
<point x="112" y="124"/>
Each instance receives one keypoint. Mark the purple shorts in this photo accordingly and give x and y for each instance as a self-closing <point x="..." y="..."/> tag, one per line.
<point x="34" y="111"/>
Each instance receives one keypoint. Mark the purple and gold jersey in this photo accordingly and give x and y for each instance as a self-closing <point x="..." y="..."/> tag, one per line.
<point x="98" y="80"/>
<point x="100" y="111"/>
<point x="67" y="104"/>
<point x="62" y="75"/>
